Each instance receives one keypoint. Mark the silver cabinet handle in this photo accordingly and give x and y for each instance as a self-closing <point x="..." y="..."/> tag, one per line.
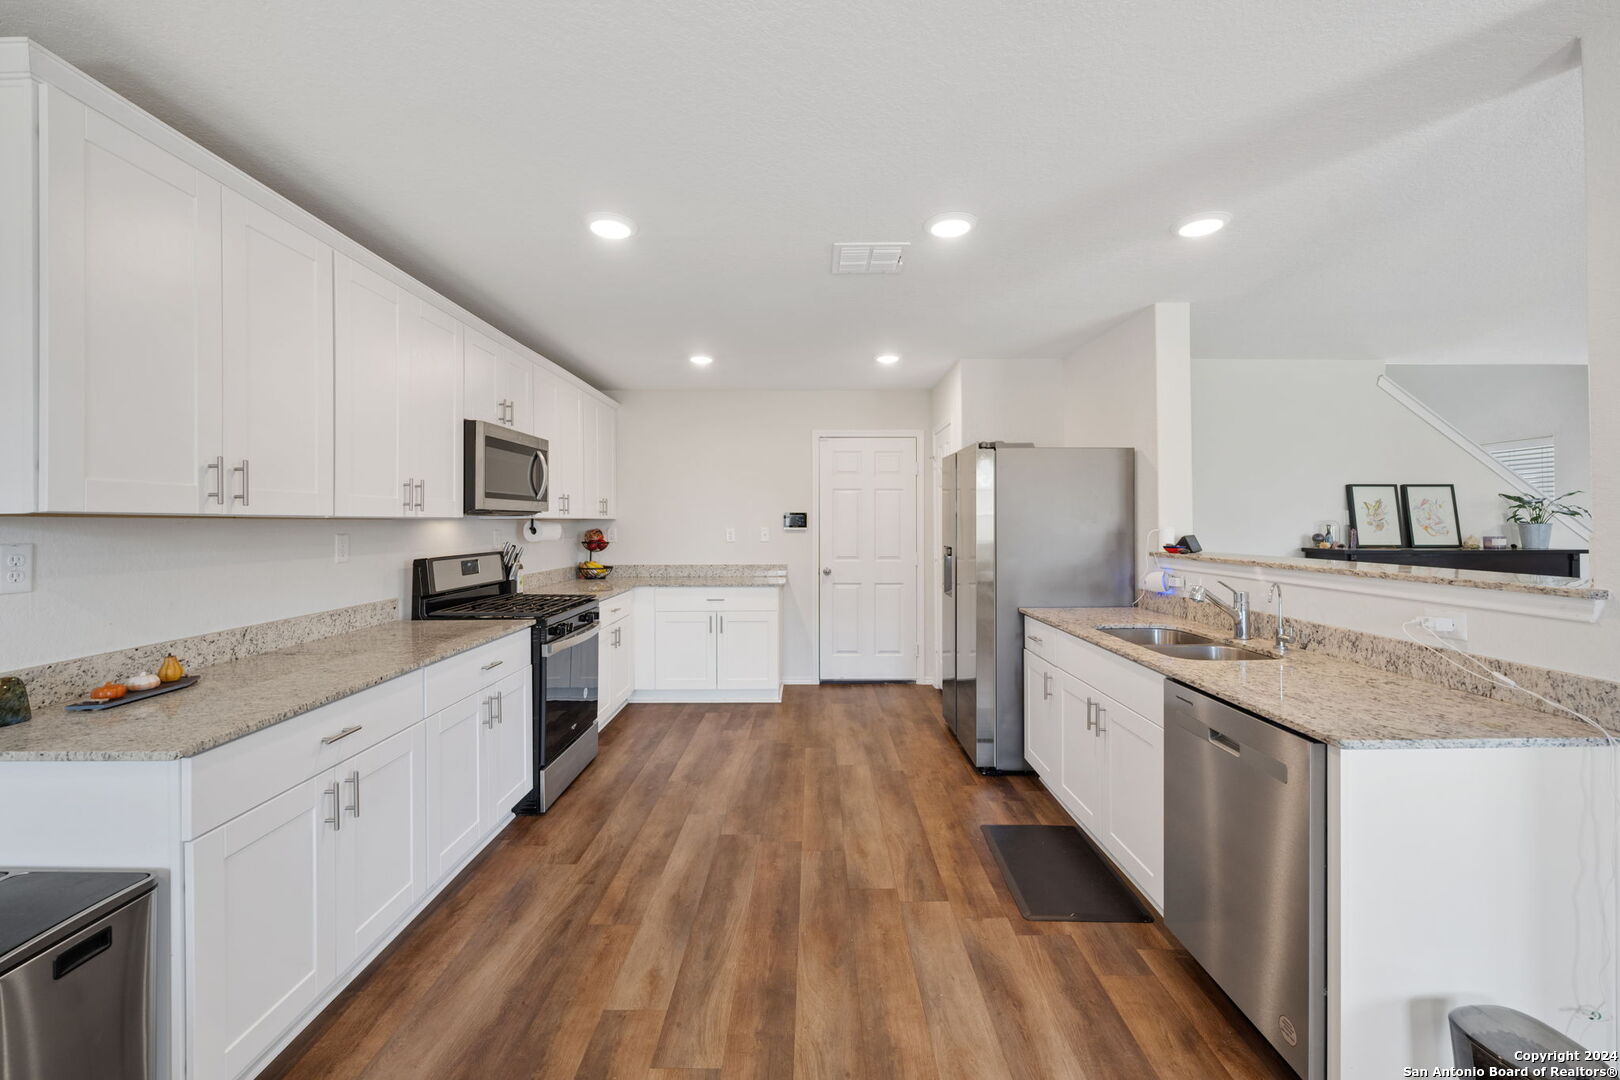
<point x="409" y="487"/>
<point x="565" y="504"/>
<point x="336" y="820"/>
<point x="243" y="469"/>
<point x="722" y="624"/>
<point x="1046" y="684"/>
<point x="489" y="712"/>
<point x="218" y="465"/>
<point x="1099" y="730"/>
<point x="344" y="734"/>
<point x="499" y="701"/>
<point x="1091" y="709"/>
<point x="711" y="624"/>
<point x="354" y="805"/>
<point x="421" y="494"/>
<point x="492" y="665"/>
<point x="1036" y="640"/>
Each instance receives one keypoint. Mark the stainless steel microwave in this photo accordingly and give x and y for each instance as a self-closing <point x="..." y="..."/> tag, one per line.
<point x="507" y="472"/>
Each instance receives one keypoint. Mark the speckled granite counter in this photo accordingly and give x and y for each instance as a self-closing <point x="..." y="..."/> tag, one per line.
<point x="243" y="696"/>
<point x="1575" y="588"/>
<point x="616" y="585"/>
<point x="1338" y="702"/>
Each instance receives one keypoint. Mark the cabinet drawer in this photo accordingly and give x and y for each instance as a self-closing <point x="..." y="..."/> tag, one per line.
<point x="681" y="598"/>
<point x="1039" y="638"/>
<point x="1137" y="688"/>
<point x="448" y="681"/>
<point x="232" y="779"/>
<point x="617" y="608"/>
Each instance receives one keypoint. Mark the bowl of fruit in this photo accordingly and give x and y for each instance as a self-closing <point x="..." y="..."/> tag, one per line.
<point x="593" y="541"/>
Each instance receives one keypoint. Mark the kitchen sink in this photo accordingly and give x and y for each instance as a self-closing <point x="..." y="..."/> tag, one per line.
<point x="1209" y="652"/>
<point x="1157" y="635"/>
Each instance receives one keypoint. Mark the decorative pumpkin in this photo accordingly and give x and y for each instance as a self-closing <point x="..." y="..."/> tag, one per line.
<point x="144" y="681"/>
<point x="108" y="692"/>
<point x="170" y="670"/>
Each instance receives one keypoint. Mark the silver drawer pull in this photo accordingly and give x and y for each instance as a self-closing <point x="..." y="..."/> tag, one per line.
<point x="336" y="820"/>
<point x="492" y="665"/>
<point x="1036" y="640"/>
<point x="344" y="734"/>
<point x="354" y="779"/>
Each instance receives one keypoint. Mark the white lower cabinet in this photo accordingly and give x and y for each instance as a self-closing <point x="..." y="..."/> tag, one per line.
<point x="286" y="899"/>
<point x="684" y="650"/>
<point x="618" y="667"/>
<point x="262" y="950"/>
<point x="724" y="641"/>
<point x="748" y="655"/>
<point x="1103" y="761"/>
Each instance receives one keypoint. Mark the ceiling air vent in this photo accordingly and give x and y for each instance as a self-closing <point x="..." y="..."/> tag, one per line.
<point x="868" y="258"/>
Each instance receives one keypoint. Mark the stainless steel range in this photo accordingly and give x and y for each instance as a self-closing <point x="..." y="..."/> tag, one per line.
<point x="563" y="653"/>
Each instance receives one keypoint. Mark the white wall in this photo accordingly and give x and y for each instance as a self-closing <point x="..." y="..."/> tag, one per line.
<point x="1130" y="386"/>
<point x="103" y="583"/>
<point x="692" y="463"/>
<point x="1276" y="441"/>
<point x="1510" y="402"/>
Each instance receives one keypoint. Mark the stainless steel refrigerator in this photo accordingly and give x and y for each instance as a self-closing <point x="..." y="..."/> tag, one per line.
<point x="1023" y="526"/>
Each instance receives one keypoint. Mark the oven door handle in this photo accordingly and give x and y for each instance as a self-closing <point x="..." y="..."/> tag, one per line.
<point x="552" y="648"/>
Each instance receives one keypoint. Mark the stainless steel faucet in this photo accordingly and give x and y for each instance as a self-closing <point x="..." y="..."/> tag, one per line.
<point x="1238" y="609"/>
<point x="1285" y="636"/>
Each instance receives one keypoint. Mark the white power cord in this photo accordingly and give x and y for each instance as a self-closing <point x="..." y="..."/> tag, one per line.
<point x="1141" y="587"/>
<point x="1609" y="972"/>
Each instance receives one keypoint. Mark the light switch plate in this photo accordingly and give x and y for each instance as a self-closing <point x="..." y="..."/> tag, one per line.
<point x="764" y="534"/>
<point x="731" y="535"/>
<point x="16" y="568"/>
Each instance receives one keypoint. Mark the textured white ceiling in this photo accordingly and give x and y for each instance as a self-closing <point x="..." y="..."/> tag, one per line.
<point x="1404" y="177"/>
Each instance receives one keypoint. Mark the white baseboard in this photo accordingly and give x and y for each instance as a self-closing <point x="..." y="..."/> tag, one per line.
<point x="803" y="680"/>
<point x="716" y="697"/>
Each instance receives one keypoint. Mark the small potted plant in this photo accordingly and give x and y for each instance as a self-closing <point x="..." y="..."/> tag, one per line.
<point x="1535" y="514"/>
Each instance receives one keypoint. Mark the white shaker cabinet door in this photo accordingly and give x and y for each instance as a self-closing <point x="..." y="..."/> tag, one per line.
<point x="567" y="455"/>
<point x="382" y="864"/>
<point x="261" y="949"/>
<point x="278" y="365"/>
<point x="130" y="379"/>
<point x="1083" y="785"/>
<point x="1043" y="738"/>
<point x="508" y="746"/>
<point x="370" y="369"/>
<point x="749" y="651"/>
<point x="431" y="442"/>
<point x="684" y="650"/>
<point x="1135" y="828"/>
<point x="607" y="460"/>
<point x="456" y="781"/>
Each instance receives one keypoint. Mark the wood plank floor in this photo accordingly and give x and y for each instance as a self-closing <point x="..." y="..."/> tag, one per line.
<point x="770" y="891"/>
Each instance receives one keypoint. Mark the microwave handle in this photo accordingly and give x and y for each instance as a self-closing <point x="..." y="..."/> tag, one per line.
<point x="540" y="486"/>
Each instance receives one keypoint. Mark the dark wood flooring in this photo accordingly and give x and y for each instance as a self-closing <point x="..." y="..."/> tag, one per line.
<point x="772" y="891"/>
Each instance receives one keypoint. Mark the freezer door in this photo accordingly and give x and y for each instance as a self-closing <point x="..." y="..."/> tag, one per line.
<point x="969" y="517"/>
<point x="947" y="600"/>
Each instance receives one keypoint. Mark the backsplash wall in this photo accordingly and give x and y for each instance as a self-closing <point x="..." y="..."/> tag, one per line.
<point x="105" y="583"/>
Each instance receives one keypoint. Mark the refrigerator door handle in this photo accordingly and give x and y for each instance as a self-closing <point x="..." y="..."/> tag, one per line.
<point x="950" y="570"/>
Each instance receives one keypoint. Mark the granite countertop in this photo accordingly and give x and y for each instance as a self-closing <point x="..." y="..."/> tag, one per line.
<point x="1334" y="701"/>
<point x="243" y="696"/>
<point x="615" y="585"/>
<point x="1577" y="588"/>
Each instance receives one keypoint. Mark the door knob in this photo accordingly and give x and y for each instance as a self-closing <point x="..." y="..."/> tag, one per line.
<point x="826" y="571"/>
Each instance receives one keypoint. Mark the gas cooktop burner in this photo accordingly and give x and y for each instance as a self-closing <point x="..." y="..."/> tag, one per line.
<point x="514" y="606"/>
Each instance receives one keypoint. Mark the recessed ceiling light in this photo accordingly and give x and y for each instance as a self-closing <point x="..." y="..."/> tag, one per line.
<point x="701" y="360"/>
<point x="612" y="226"/>
<point x="1207" y="223"/>
<point x="950" y="226"/>
<point x="888" y="358"/>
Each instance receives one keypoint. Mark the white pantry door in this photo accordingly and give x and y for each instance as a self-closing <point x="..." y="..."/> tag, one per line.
<point x="868" y="543"/>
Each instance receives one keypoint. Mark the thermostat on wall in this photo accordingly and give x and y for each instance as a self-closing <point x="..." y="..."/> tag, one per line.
<point x="796" y="521"/>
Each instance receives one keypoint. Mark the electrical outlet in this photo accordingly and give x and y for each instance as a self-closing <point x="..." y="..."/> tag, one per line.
<point x="764" y="534"/>
<point x="1452" y="626"/>
<point x="340" y="547"/>
<point x="16" y="568"/>
<point x="731" y="535"/>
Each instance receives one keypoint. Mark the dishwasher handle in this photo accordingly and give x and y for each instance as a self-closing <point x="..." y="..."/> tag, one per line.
<point x="1226" y="742"/>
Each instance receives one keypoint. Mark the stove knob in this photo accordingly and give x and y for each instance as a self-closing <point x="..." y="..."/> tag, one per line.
<point x="588" y="617"/>
<point x="556" y="631"/>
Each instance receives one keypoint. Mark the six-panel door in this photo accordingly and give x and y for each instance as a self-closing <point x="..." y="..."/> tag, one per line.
<point x="130" y="383"/>
<point x="278" y="365"/>
<point x="382" y="863"/>
<point x="262" y="950"/>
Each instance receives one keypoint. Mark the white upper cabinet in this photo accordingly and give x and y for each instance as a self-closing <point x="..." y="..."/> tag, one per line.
<point x="498" y="383"/>
<point x="130" y="384"/>
<point x="567" y="454"/>
<point x="370" y="367"/>
<point x="278" y="365"/>
<point x="430" y="405"/>
<point x="607" y="459"/>
<point x="543" y="411"/>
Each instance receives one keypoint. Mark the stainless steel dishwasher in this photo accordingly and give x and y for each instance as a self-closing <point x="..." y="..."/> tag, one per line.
<point x="1245" y="851"/>
<point x="75" y="975"/>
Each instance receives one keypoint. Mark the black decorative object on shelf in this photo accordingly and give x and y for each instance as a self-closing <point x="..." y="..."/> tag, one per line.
<point x="13" y="701"/>
<point x="1557" y="562"/>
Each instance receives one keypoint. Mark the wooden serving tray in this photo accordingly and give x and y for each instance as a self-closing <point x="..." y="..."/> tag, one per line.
<point x="133" y="695"/>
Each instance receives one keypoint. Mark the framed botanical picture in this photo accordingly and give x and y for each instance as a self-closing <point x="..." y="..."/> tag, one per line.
<point x="1431" y="515"/>
<point x="1375" y="514"/>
